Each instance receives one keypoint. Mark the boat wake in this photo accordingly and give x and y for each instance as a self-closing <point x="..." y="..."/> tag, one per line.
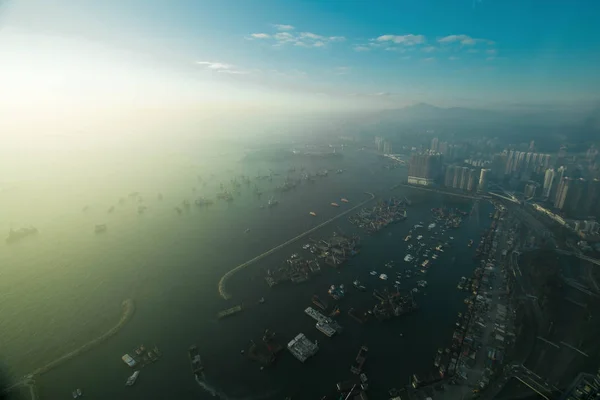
<point x="215" y="392"/>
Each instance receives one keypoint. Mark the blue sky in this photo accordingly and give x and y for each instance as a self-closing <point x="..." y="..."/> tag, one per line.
<point x="293" y="53"/>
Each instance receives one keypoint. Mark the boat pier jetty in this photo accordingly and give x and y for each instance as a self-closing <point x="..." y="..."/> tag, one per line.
<point x="223" y="282"/>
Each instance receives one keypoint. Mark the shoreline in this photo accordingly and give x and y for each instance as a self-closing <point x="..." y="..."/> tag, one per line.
<point x="223" y="281"/>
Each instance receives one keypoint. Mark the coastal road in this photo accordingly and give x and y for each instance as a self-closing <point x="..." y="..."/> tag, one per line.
<point x="223" y="281"/>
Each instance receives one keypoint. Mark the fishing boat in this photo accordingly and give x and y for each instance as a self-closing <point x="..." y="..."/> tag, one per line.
<point x="345" y="200"/>
<point x="335" y="204"/>
<point x="314" y="214"/>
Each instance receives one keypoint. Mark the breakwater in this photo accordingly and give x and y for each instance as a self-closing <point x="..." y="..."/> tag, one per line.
<point x="128" y="310"/>
<point x="223" y="281"/>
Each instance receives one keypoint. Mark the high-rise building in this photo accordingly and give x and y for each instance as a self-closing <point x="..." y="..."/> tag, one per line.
<point x="575" y="197"/>
<point x="561" y="173"/>
<point x="435" y="144"/>
<point x="456" y="178"/>
<point x="591" y="203"/>
<point x="472" y="183"/>
<point x="424" y="168"/>
<point x="464" y="178"/>
<point x="561" y="192"/>
<point x="548" y="181"/>
<point x="387" y="147"/>
<point x="530" y="190"/>
<point x="483" y="180"/>
<point x="511" y="160"/>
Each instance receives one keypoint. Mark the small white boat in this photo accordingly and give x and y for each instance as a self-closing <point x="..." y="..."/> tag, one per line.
<point x="383" y="277"/>
<point x="131" y="380"/>
<point x="373" y="273"/>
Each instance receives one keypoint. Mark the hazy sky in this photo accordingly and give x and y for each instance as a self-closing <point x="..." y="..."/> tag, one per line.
<point x="65" y="57"/>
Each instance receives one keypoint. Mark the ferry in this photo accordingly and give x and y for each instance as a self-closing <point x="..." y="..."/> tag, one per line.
<point x="407" y="238"/>
<point x="345" y="200"/>
<point x="335" y="204"/>
<point x="314" y="214"/>
<point x="408" y="258"/>
<point x="131" y="380"/>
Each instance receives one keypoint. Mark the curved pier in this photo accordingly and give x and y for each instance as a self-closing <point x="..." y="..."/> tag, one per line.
<point x="229" y="274"/>
<point x="128" y="310"/>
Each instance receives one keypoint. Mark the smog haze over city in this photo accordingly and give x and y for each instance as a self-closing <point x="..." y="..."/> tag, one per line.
<point x="299" y="199"/>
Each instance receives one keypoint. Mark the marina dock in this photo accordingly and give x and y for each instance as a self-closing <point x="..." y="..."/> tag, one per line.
<point x="223" y="281"/>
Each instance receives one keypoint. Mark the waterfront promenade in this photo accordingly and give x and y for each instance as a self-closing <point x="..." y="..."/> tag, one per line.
<point x="28" y="380"/>
<point x="223" y="281"/>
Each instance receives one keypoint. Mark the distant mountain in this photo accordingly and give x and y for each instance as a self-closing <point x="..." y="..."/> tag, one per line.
<point x="543" y="122"/>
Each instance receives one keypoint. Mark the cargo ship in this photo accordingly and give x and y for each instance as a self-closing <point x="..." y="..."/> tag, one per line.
<point x="16" y="235"/>
<point x="195" y="360"/>
<point x="229" y="312"/>
<point x="319" y="303"/>
<point x="359" y="362"/>
<point x="325" y="328"/>
<point x="302" y="348"/>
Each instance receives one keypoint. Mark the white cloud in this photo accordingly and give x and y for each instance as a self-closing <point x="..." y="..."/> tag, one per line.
<point x="301" y="39"/>
<point x="310" y="35"/>
<point x="490" y="58"/>
<point x="492" y="52"/>
<point x="282" y="27"/>
<point x="406" y="57"/>
<point x="284" y="37"/>
<point x="453" y="58"/>
<point x="429" y="49"/>
<point x="408" y="40"/>
<point x="221" y="67"/>
<point x="260" y="35"/>
<point x="462" y="39"/>
<point x="429" y="59"/>
<point x="361" y="48"/>
<point x="214" y="65"/>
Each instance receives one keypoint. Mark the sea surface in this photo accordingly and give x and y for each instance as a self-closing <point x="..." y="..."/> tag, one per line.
<point x="65" y="286"/>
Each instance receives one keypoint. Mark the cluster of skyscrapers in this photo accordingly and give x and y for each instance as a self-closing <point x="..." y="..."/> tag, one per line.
<point x="383" y="145"/>
<point x="519" y="164"/>
<point x="467" y="179"/>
